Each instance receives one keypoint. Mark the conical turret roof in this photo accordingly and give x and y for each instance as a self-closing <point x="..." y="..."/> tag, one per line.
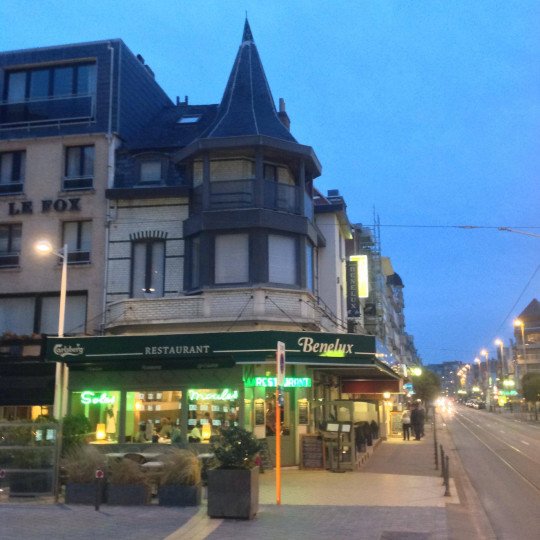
<point x="247" y="106"/>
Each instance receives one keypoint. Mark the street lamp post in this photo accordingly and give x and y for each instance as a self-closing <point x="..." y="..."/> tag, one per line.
<point x="45" y="247"/>
<point x="485" y="354"/>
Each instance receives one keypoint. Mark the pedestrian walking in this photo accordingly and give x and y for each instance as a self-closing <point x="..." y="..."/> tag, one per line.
<point x="417" y="421"/>
<point x="406" y="424"/>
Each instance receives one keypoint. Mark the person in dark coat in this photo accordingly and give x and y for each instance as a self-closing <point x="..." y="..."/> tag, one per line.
<point x="417" y="421"/>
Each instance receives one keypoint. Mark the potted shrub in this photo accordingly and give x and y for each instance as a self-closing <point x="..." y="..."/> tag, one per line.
<point x="128" y="484"/>
<point x="233" y="486"/>
<point x="80" y="466"/>
<point x="180" y="481"/>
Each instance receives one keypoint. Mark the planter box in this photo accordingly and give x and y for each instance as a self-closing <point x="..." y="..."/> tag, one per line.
<point x="177" y="495"/>
<point x="233" y="493"/>
<point x="128" y="494"/>
<point x="84" y="493"/>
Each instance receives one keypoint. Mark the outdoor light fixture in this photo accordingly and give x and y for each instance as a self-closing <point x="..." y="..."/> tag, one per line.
<point x="101" y="434"/>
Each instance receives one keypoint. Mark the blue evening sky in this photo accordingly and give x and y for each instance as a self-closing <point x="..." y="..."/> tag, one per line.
<point x="426" y="112"/>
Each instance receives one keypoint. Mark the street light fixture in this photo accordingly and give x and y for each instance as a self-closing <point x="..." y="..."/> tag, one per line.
<point x="485" y="354"/>
<point x="45" y="247"/>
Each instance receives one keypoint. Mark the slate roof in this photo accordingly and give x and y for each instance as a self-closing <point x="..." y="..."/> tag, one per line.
<point x="532" y="311"/>
<point x="247" y="106"/>
<point x="165" y="131"/>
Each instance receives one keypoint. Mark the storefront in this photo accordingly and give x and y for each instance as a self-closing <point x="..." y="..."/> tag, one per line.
<point x="26" y="380"/>
<point x="163" y="388"/>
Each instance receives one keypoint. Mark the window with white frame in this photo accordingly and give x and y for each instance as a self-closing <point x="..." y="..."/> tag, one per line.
<point x="79" y="167"/>
<point x="282" y="265"/>
<point x="10" y="244"/>
<point x="148" y="268"/>
<point x="151" y="172"/>
<point x="12" y="170"/>
<point x="78" y="237"/>
<point x="231" y="258"/>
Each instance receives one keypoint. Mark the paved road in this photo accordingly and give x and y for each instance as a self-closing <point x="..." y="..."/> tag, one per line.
<point x="502" y="459"/>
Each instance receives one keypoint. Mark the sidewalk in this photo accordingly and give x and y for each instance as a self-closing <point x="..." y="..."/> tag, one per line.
<point x="397" y="494"/>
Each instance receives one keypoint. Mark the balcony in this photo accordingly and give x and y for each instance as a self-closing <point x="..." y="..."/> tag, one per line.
<point x="246" y="309"/>
<point x="46" y="111"/>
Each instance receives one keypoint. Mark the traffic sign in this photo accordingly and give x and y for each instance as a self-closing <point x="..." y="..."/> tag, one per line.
<point x="100" y="474"/>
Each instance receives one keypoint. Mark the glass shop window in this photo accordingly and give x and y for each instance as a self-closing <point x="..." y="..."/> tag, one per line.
<point x="210" y="409"/>
<point x="101" y="408"/>
<point x="153" y="416"/>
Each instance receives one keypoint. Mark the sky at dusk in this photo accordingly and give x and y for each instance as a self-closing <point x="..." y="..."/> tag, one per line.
<point x="424" y="113"/>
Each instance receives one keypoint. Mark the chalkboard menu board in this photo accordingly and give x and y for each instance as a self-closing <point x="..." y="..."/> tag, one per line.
<point x="311" y="452"/>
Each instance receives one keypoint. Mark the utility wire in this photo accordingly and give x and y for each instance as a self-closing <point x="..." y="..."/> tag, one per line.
<point x="519" y="298"/>
<point x="240" y="314"/>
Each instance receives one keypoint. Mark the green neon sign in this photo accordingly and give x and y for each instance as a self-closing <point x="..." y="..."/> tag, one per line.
<point x="91" y="398"/>
<point x="270" y="382"/>
<point x="223" y="395"/>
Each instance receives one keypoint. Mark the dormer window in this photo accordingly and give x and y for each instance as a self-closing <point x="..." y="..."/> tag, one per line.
<point x="152" y="172"/>
<point x="189" y="119"/>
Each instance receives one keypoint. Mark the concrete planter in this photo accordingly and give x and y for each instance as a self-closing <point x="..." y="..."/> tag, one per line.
<point x="128" y="494"/>
<point x="233" y="493"/>
<point x="84" y="493"/>
<point x="178" y="495"/>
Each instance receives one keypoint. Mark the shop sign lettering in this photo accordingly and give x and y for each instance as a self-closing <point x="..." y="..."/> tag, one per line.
<point x="270" y="382"/>
<point x="68" y="350"/>
<point x="91" y="398"/>
<point x="58" y="205"/>
<point x="309" y="345"/>
<point x="177" y="349"/>
<point x="224" y="395"/>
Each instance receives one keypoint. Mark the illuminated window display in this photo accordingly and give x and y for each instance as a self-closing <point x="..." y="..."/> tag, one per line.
<point x="209" y="410"/>
<point x="153" y="416"/>
<point x="101" y="408"/>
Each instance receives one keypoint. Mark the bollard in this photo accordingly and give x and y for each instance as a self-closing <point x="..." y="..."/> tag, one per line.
<point x="447" y="479"/>
<point x="442" y="461"/>
<point x="100" y="475"/>
<point x="436" y="453"/>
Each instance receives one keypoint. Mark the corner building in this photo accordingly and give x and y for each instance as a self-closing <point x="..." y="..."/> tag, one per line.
<point x="213" y="252"/>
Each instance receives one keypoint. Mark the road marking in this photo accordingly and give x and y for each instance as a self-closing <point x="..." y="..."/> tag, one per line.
<point x="516" y="449"/>
<point x="525" y="442"/>
<point x="502" y="431"/>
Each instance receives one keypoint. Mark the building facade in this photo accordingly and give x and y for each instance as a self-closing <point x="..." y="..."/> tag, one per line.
<point x="64" y="111"/>
<point x="209" y="245"/>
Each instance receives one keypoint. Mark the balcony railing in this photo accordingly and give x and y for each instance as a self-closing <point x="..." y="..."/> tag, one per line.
<point x="255" y="306"/>
<point x="282" y="197"/>
<point x="9" y="259"/>
<point x="73" y="183"/>
<point x="232" y="194"/>
<point x="46" y="111"/>
<point x="11" y="188"/>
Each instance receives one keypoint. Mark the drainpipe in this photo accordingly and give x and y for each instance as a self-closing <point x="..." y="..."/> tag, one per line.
<point x="110" y="183"/>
